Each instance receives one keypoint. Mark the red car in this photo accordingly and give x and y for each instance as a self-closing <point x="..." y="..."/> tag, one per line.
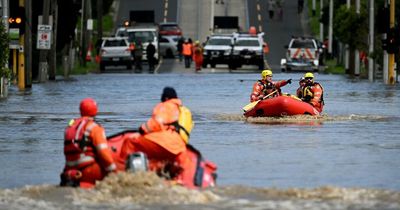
<point x="169" y="28"/>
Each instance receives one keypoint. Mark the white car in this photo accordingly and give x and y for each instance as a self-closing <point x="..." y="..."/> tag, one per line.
<point x="168" y="46"/>
<point x="302" y="55"/>
<point x="217" y="50"/>
<point x="115" y="51"/>
<point x="248" y="50"/>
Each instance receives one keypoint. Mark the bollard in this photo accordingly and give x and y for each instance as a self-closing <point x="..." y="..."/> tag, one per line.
<point x="43" y="69"/>
<point x="66" y="66"/>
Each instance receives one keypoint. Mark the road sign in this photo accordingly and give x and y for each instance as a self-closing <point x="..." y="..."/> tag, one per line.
<point x="44" y="37"/>
<point x="13" y="34"/>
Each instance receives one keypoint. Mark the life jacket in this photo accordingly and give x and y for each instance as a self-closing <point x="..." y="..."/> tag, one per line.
<point x="78" y="149"/>
<point x="308" y="93"/>
<point x="269" y="87"/>
<point x="185" y="123"/>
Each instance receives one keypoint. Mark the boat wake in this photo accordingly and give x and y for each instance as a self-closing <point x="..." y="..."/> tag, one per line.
<point x="303" y="119"/>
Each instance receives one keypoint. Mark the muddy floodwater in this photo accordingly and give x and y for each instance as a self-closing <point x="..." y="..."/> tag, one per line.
<point x="348" y="158"/>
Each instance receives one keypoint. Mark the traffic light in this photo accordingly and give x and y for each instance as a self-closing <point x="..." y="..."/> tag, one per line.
<point x="17" y="19"/>
<point x="392" y="41"/>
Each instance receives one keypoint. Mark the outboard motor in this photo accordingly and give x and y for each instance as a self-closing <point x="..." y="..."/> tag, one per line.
<point x="137" y="162"/>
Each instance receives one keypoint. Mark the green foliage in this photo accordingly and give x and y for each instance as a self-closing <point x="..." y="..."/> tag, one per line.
<point x="333" y="67"/>
<point x="350" y="28"/>
<point x="4" y="51"/>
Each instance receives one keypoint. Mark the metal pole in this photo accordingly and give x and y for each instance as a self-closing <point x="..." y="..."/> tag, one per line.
<point x="371" y="40"/>
<point x="356" y="52"/>
<point x="385" y="58"/>
<point x="391" y="80"/>
<point x="347" y="51"/>
<point x="330" y="29"/>
<point x="321" y="25"/>
<point x="81" y="38"/>
<point x="313" y="7"/>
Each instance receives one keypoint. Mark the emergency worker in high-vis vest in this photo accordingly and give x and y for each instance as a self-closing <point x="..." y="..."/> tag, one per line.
<point x="312" y="92"/>
<point x="88" y="157"/>
<point x="165" y="135"/>
<point x="267" y="87"/>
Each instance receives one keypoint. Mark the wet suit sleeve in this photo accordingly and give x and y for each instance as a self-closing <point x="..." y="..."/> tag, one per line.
<point x="256" y="94"/>
<point x="102" y="150"/>
<point x="317" y="95"/>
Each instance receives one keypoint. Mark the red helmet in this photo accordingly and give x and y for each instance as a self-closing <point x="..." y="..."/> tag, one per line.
<point x="88" y="107"/>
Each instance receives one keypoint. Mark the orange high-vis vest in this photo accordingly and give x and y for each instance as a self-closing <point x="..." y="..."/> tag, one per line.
<point x="187" y="49"/>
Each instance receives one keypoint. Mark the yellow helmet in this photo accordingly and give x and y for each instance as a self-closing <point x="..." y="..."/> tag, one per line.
<point x="266" y="73"/>
<point x="309" y="75"/>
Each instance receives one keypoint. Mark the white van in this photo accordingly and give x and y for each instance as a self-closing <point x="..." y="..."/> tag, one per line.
<point x="145" y="34"/>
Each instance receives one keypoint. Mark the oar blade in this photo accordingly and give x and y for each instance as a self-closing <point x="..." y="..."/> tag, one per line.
<point x="250" y="106"/>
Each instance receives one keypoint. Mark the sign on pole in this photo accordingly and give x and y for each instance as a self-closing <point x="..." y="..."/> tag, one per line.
<point x="44" y="37"/>
<point x="13" y="34"/>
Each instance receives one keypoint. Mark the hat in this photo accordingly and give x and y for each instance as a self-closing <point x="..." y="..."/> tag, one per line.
<point x="168" y="93"/>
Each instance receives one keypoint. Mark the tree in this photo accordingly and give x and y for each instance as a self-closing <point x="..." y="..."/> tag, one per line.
<point x="350" y="28"/>
<point x="4" y="71"/>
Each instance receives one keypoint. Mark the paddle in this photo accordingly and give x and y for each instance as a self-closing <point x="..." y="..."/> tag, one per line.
<point x="254" y="103"/>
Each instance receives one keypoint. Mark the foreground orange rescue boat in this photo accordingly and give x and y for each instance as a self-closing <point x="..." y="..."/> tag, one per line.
<point x="198" y="173"/>
<point x="281" y="106"/>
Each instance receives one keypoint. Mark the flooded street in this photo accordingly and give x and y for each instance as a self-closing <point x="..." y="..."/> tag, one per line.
<point x="346" y="159"/>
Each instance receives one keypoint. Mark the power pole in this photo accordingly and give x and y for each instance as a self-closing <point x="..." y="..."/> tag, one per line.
<point x="385" y="55"/>
<point x="28" y="43"/>
<point x="53" y="55"/>
<point x="346" y="46"/>
<point x="391" y="80"/>
<point x="330" y="29"/>
<point x="99" y="19"/>
<point x="321" y="25"/>
<point x="371" y="40"/>
<point x="43" y="64"/>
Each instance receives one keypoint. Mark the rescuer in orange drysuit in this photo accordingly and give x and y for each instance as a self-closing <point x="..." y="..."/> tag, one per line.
<point x="88" y="157"/>
<point x="198" y="55"/>
<point x="313" y="92"/>
<point x="266" y="86"/>
<point x="299" y="91"/>
<point x="158" y="137"/>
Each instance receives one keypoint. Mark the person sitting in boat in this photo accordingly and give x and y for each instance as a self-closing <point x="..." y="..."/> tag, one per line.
<point x="299" y="91"/>
<point x="267" y="87"/>
<point x="88" y="157"/>
<point x="164" y="137"/>
<point x="312" y="92"/>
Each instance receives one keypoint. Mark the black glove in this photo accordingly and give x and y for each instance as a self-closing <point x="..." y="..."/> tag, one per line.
<point x="289" y="81"/>
<point x="141" y="131"/>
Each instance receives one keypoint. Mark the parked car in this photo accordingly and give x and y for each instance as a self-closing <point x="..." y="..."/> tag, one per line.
<point x="217" y="50"/>
<point x="247" y="50"/>
<point x="142" y="33"/>
<point x="302" y="55"/>
<point x="115" y="51"/>
<point x="168" y="46"/>
<point x="169" y="28"/>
